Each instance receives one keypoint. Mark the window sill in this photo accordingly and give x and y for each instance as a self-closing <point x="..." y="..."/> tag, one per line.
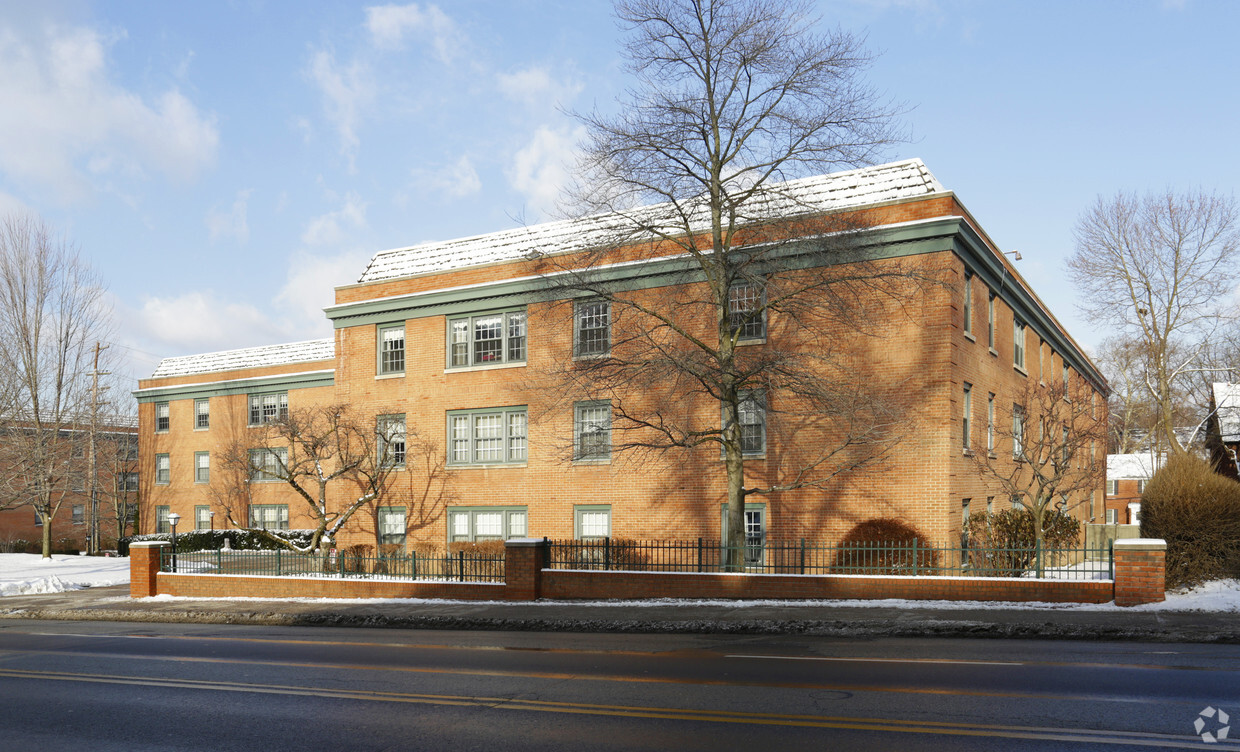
<point x="967" y="452"/>
<point x="994" y="352"/>
<point x="208" y="428"/>
<point x="488" y="367"/>
<point x="751" y="342"/>
<point x="969" y="336"/>
<point x="594" y="356"/>
<point x="492" y="466"/>
<point x="590" y="462"/>
<point x="385" y="376"/>
<point x="1020" y="370"/>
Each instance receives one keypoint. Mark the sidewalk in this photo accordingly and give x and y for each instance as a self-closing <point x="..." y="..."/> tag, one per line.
<point x="821" y="618"/>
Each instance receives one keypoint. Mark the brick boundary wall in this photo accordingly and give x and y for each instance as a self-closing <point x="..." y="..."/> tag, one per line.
<point x="1143" y="562"/>
<point x="1138" y="579"/>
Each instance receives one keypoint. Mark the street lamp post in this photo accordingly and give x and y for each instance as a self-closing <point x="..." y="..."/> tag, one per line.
<point x="211" y="518"/>
<point x="173" y="519"/>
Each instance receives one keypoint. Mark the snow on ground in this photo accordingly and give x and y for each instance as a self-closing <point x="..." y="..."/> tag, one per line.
<point x="29" y="574"/>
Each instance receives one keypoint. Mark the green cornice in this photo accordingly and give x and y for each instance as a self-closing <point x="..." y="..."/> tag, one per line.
<point x="281" y="382"/>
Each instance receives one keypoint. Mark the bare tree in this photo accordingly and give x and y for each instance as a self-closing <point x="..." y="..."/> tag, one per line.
<point x="421" y="490"/>
<point x="51" y="315"/>
<point x="311" y="450"/>
<point x="732" y="99"/>
<point x="1046" y="449"/>
<point x="1160" y="269"/>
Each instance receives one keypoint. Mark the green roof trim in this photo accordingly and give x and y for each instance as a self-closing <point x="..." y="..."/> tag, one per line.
<point x="282" y="382"/>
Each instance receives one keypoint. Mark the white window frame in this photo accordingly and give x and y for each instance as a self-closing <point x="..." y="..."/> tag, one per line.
<point x="592" y="431"/>
<point x="744" y="299"/>
<point x="466" y="434"/>
<point x="463" y="340"/>
<point x="1113" y="487"/>
<point x="163" y="474"/>
<point x="389" y="520"/>
<point x="267" y="407"/>
<point x="591" y="328"/>
<point x="1112" y="516"/>
<point x="202" y="467"/>
<point x="202" y="414"/>
<point x="463" y="523"/>
<point x="391" y="434"/>
<point x="391" y="352"/>
<point x="202" y="517"/>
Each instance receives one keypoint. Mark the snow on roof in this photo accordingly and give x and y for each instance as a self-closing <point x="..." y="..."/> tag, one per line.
<point x="1132" y="466"/>
<point x="869" y="185"/>
<point x="250" y="357"/>
<point x="1227" y="406"/>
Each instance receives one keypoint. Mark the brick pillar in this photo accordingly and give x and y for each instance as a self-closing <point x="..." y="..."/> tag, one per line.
<point x="143" y="566"/>
<point x="1140" y="571"/>
<point x="524" y="559"/>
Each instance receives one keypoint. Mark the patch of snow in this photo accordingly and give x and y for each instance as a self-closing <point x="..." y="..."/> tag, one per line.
<point x="1132" y="466"/>
<point x="250" y="357"/>
<point x="31" y="574"/>
<point x="1227" y="407"/>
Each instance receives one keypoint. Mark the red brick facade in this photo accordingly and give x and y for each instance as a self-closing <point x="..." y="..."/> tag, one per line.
<point x="921" y="356"/>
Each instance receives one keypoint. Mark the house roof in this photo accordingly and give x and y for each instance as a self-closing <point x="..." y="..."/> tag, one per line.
<point x="250" y="357"/>
<point x="1227" y="407"/>
<point x="869" y="185"/>
<point x="1131" y="466"/>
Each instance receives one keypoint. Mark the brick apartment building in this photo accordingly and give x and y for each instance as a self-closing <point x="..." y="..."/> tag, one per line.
<point x="1127" y="475"/>
<point x="453" y="342"/>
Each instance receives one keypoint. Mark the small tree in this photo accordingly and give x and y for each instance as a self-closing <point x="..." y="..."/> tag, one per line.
<point x="422" y="490"/>
<point x="1048" y="450"/>
<point x="311" y="451"/>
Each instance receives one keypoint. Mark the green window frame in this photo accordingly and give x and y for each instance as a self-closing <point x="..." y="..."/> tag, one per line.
<point x="990" y="320"/>
<point x="202" y="467"/>
<point x="591" y="329"/>
<point x="591" y="521"/>
<point x="1018" y="430"/>
<point x="269" y="516"/>
<point x="162" y="525"/>
<point x="968" y="303"/>
<point x="390" y="434"/>
<point x="467" y="524"/>
<point x="391" y="523"/>
<point x="202" y="414"/>
<point x="968" y="412"/>
<point x="592" y="431"/>
<point x="268" y="407"/>
<point x="747" y="309"/>
<point x="162" y="420"/>
<point x="163" y="469"/>
<point x="79" y="514"/>
<point x="266" y="464"/>
<point x="391" y="349"/>
<point x="755" y="531"/>
<point x="489" y="436"/>
<point x="487" y="339"/>
<point x="752" y="409"/>
<point x="990" y="423"/>
<point x="1018" y="344"/>
<point x="202" y="517"/>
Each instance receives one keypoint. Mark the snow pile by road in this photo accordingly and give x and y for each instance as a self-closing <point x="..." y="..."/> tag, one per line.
<point x="30" y="574"/>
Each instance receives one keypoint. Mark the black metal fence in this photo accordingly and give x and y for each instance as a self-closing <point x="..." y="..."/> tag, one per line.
<point x="459" y="567"/>
<point x="802" y="557"/>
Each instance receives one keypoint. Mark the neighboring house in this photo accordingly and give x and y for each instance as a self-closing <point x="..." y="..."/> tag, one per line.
<point x="115" y="493"/>
<point x="1223" y="429"/>
<point x="1127" y="475"/>
<point x="449" y="341"/>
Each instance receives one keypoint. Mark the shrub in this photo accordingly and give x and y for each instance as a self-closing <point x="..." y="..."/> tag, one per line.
<point x="1197" y="512"/>
<point x="609" y="553"/>
<point x="1002" y="544"/>
<point x="210" y="540"/>
<point x="883" y="546"/>
<point x="483" y="559"/>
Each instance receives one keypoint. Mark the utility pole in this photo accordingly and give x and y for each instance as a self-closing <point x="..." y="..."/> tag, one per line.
<point x="92" y="459"/>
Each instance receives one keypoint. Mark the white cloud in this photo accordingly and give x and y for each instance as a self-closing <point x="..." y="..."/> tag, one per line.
<point x="347" y="93"/>
<point x="311" y="284"/>
<point x="330" y="228"/>
<point x="389" y="25"/>
<point x="456" y="180"/>
<point x="541" y="168"/>
<point x="536" y="88"/>
<point x="65" y="123"/>
<point x="231" y="223"/>
<point x="199" y="321"/>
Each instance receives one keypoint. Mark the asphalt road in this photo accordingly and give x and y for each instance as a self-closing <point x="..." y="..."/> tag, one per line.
<point x="110" y="685"/>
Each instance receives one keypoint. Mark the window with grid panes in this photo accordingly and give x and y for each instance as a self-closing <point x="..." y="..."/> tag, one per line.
<point x="202" y="517"/>
<point x="269" y="516"/>
<point x="163" y="469"/>
<point x="755" y="532"/>
<point x="202" y="414"/>
<point x="268" y="408"/>
<point x="1018" y="344"/>
<point x="486" y="339"/>
<point x="391" y="430"/>
<point x="1113" y="487"/>
<point x="267" y="465"/>
<point x="745" y="307"/>
<point x="161" y="417"/>
<point x="1018" y="430"/>
<point x="592" y="328"/>
<point x="592" y="431"/>
<point x="392" y="349"/>
<point x="202" y="467"/>
<point x="592" y="521"/>
<point x="162" y="525"/>
<point x="490" y="436"/>
<point x="486" y="523"/>
<point x="752" y="414"/>
<point x="79" y="514"/>
<point x="392" y="526"/>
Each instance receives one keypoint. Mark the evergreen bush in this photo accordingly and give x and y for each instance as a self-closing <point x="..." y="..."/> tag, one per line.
<point x="1197" y="512"/>
<point x="882" y="546"/>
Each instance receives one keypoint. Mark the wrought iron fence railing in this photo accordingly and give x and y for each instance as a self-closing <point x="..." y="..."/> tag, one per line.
<point x="803" y="557"/>
<point x="458" y="567"/>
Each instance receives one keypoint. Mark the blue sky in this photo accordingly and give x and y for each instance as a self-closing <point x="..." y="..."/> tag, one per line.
<point x="224" y="165"/>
